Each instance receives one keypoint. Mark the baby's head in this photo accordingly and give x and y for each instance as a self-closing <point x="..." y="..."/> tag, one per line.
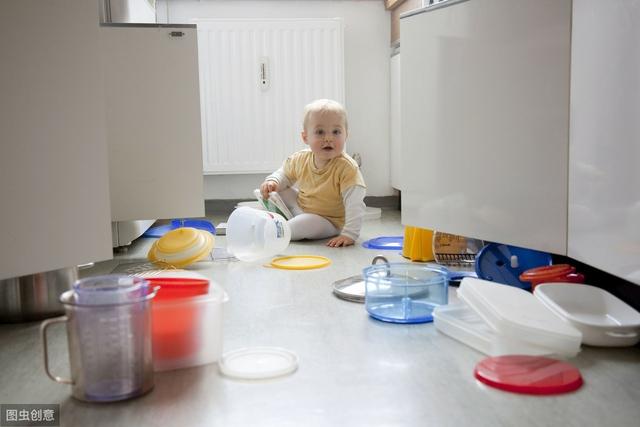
<point x="324" y="106"/>
<point x="325" y="129"/>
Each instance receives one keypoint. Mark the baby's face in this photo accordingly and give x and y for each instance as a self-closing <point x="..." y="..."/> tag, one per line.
<point x="325" y="135"/>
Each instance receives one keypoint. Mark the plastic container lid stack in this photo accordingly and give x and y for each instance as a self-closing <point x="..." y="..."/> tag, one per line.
<point x="520" y="321"/>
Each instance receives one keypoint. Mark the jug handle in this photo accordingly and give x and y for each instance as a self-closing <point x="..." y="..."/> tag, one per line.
<point x="43" y="334"/>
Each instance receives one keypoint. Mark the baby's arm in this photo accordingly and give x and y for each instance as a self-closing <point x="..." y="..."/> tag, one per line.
<point x="354" y="207"/>
<point x="277" y="181"/>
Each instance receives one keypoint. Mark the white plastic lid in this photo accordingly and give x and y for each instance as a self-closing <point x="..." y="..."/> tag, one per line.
<point x="517" y="314"/>
<point x="258" y="363"/>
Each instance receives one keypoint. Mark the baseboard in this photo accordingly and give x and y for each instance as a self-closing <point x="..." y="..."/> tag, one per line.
<point x="226" y="206"/>
<point x="383" y="201"/>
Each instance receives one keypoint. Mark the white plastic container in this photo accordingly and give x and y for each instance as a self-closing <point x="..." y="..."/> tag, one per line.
<point x="522" y="324"/>
<point x="253" y="234"/>
<point x="462" y="323"/>
<point x="188" y="331"/>
<point x="603" y="319"/>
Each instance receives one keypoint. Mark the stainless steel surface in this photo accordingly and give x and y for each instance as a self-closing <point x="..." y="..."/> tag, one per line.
<point x="350" y="289"/>
<point x="354" y="371"/>
<point x="35" y="296"/>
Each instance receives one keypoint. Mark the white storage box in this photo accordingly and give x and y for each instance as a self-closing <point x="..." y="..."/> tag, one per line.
<point x="522" y="324"/>
<point x="462" y="323"/>
<point x="603" y="319"/>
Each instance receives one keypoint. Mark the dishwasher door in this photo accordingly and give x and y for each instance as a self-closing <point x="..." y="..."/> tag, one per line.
<point x="485" y="120"/>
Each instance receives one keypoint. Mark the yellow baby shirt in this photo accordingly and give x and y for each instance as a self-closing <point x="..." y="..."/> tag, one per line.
<point x="320" y="190"/>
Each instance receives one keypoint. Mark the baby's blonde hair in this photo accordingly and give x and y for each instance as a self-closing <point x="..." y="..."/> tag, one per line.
<point x="324" y="106"/>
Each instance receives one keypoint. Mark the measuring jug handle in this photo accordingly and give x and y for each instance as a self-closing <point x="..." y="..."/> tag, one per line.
<point x="43" y="334"/>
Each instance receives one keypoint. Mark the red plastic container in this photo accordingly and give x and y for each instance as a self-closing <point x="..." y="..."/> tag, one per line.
<point x="173" y="320"/>
<point x="564" y="273"/>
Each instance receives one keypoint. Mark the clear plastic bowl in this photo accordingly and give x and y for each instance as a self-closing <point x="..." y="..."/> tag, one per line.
<point x="404" y="292"/>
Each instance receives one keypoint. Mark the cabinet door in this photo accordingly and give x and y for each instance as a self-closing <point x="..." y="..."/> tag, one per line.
<point x="153" y="121"/>
<point x="485" y="95"/>
<point x="604" y="177"/>
<point x="257" y="76"/>
<point x="53" y="168"/>
<point x="395" y="142"/>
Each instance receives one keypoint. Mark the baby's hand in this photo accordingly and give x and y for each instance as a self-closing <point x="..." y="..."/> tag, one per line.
<point x="340" y="241"/>
<point x="267" y="187"/>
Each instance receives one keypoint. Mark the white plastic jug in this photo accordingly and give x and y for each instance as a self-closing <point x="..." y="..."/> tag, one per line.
<point x="254" y="234"/>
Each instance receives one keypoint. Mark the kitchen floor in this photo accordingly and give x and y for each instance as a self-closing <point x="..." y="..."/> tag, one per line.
<point x="352" y="369"/>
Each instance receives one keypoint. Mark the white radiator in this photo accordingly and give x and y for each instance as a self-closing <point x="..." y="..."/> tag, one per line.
<point x="256" y="76"/>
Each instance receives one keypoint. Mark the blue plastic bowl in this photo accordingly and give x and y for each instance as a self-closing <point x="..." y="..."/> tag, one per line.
<point x="404" y="292"/>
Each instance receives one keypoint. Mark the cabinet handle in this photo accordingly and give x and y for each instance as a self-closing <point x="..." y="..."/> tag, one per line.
<point x="264" y="74"/>
<point x="176" y="34"/>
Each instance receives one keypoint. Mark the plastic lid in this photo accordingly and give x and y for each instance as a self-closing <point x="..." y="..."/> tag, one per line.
<point x="179" y="287"/>
<point x="384" y="243"/>
<point x="300" y="262"/>
<point x="110" y="289"/>
<point x="258" y="363"/>
<point x="181" y="247"/>
<point x="504" y="263"/>
<point x="528" y="374"/>
<point x="517" y="314"/>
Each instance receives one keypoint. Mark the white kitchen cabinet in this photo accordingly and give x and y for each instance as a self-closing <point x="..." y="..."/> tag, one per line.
<point x="257" y="75"/>
<point x="604" y="177"/>
<point x="485" y="120"/>
<point x="153" y="121"/>
<point x="54" y="188"/>
<point x="395" y="137"/>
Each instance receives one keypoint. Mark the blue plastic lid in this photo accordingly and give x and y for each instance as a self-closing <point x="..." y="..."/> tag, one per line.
<point x="504" y="264"/>
<point x="161" y="230"/>
<point x="385" y="243"/>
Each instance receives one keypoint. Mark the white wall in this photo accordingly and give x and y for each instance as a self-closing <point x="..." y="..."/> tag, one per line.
<point x="366" y="41"/>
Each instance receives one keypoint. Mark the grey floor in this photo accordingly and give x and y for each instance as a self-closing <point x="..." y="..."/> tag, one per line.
<point x="352" y="371"/>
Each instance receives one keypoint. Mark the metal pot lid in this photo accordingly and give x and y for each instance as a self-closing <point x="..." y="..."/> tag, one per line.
<point x="350" y="289"/>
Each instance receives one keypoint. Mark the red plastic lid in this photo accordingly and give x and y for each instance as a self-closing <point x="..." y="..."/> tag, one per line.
<point x="179" y="287"/>
<point x="528" y="374"/>
<point x="547" y="272"/>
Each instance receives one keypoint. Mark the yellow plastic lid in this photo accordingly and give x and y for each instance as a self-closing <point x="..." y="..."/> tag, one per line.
<point x="178" y="240"/>
<point x="181" y="247"/>
<point x="300" y="262"/>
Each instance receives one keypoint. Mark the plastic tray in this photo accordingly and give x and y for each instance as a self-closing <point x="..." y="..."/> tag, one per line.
<point x="603" y="319"/>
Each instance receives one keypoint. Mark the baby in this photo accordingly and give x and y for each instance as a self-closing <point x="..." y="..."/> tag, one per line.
<point x="328" y="200"/>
